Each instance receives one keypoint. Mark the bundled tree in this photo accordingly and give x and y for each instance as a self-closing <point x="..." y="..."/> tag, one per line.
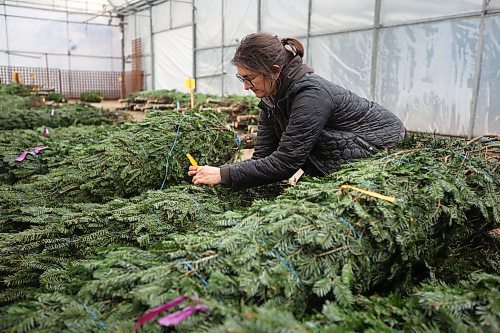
<point x="61" y="142"/>
<point x="142" y="156"/>
<point x="71" y="114"/>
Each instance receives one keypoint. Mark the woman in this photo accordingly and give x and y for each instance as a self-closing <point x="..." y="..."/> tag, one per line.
<point x="305" y="121"/>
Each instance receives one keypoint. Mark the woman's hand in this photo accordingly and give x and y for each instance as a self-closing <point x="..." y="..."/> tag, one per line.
<point x="205" y="175"/>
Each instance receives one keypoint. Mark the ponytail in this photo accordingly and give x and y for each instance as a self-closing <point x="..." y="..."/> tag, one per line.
<point x="294" y="46"/>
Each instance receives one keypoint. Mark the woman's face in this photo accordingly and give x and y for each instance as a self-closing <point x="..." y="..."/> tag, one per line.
<point x="254" y="81"/>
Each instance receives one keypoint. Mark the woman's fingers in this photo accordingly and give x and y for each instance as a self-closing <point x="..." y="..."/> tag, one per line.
<point x="206" y="175"/>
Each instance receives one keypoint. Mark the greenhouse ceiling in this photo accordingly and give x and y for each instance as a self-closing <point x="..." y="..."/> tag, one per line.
<point x="96" y="7"/>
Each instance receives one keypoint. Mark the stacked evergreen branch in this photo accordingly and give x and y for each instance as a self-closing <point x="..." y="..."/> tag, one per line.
<point x="470" y="305"/>
<point x="15" y="89"/>
<point x="13" y="102"/>
<point x="140" y="157"/>
<point x="312" y="245"/>
<point x="41" y="240"/>
<point x="71" y="114"/>
<point x="55" y="236"/>
<point x="61" y="142"/>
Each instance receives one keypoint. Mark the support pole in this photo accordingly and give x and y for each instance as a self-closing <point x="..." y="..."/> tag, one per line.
<point x="259" y="14"/>
<point x="477" y="76"/>
<point x="222" y="51"/>
<point x="152" y="47"/>
<point x="47" y="70"/>
<point x="375" y="42"/>
<point x="194" y="42"/>
<point x="308" y="50"/>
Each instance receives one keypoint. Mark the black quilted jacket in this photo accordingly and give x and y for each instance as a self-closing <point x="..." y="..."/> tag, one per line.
<point x="315" y="125"/>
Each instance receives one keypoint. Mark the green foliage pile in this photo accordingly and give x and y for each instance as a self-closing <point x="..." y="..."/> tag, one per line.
<point x="56" y="97"/>
<point x="69" y="115"/>
<point x="470" y="305"/>
<point x="62" y="142"/>
<point x="314" y="259"/>
<point x="15" y="89"/>
<point x="91" y="97"/>
<point x="142" y="156"/>
<point x="41" y="239"/>
<point x="13" y="102"/>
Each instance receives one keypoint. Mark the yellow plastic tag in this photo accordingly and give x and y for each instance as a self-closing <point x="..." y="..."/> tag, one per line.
<point x="192" y="160"/>
<point x="190" y="83"/>
<point x="370" y="193"/>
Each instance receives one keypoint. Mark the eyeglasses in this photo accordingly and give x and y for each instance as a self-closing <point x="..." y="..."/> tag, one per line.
<point x="246" y="79"/>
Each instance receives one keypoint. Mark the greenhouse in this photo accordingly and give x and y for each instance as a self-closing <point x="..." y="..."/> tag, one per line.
<point x="249" y="166"/>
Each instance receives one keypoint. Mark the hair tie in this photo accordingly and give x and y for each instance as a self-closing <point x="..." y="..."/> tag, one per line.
<point x="291" y="49"/>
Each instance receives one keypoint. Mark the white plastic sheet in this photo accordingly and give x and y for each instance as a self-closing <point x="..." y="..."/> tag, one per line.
<point x="93" y="19"/>
<point x="487" y="119"/>
<point x="147" y="68"/>
<point x="37" y="35"/>
<point x="24" y="59"/>
<point x="3" y="34"/>
<point x="128" y="35"/>
<point x="426" y="72"/>
<point x="240" y="19"/>
<point x="3" y="59"/>
<point x="208" y="62"/>
<point x="209" y="85"/>
<point x="494" y="4"/>
<point x="54" y="61"/>
<point x="400" y="11"/>
<point x="339" y="15"/>
<point x="35" y="13"/>
<point x="173" y="58"/>
<point x="95" y="64"/>
<point x="345" y="59"/>
<point x="285" y="18"/>
<point x="161" y="17"/>
<point x="231" y="84"/>
<point x="182" y="14"/>
<point x="85" y="38"/>
<point x="208" y="17"/>
<point x="137" y="26"/>
<point x="143" y="30"/>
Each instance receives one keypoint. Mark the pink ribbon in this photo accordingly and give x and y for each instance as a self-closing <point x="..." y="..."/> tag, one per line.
<point x="181" y="315"/>
<point x="34" y="152"/>
<point x="173" y="318"/>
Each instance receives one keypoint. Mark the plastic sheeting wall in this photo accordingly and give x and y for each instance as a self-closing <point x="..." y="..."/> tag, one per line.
<point x="167" y="44"/>
<point x="426" y="74"/>
<point x="43" y="38"/>
<point x="488" y="107"/>
<point x="138" y="26"/>
<point x="421" y="61"/>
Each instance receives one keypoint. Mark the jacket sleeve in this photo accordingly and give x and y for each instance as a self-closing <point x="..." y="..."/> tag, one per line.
<point x="267" y="141"/>
<point x="308" y="115"/>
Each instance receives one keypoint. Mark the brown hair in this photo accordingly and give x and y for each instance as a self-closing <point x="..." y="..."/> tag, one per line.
<point x="258" y="52"/>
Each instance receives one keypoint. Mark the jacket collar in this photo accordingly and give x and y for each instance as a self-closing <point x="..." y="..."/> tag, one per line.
<point x="291" y="73"/>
